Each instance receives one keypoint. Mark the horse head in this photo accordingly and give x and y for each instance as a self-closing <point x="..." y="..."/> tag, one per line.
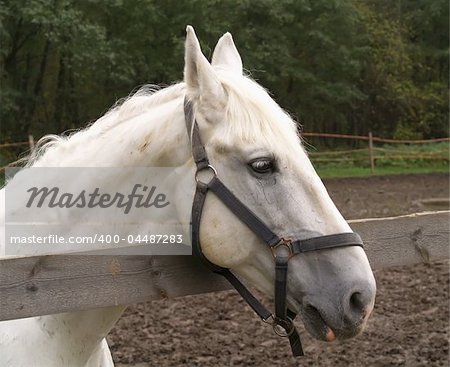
<point x="254" y="146"/>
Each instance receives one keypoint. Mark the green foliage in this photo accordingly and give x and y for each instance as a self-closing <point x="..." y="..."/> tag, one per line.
<point x="405" y="77"/>
<point x="345" y="66"/>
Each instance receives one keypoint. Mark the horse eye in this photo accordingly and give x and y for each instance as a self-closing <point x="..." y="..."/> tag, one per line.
<point x="262" y="166"/>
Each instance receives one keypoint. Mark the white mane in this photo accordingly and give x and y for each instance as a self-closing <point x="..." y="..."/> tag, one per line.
<point x="254" y="116"/>
<point x="144" y="99"/>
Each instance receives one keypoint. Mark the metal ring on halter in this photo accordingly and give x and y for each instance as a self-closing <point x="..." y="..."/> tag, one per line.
<point x="208" y="167"/>
<point x="286" y="332"/>
<point x="283" y="242"/>
<point x="272" y="320"/>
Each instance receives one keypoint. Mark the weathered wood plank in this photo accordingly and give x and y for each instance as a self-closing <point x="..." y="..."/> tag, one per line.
<point x="405" y="240"/>
<point x="52" y="284"/>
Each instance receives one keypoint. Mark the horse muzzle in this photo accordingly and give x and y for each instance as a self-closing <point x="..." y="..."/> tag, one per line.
<point x="341" y="317"/>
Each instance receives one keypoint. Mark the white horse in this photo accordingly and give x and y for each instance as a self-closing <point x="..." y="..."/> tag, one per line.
<point x="254" y="145"/>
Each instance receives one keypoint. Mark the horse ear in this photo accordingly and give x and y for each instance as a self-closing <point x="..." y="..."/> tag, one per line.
<point x="199" y="75"/>
<point x="226" y="55"/>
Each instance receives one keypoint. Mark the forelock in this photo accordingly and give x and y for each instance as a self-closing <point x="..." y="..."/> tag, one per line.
<point x="253" y="117"/>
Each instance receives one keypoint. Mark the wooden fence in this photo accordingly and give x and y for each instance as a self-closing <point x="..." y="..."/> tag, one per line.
<point x="318" y="156"/>
<point x="372" y="150"/>
<point x="31" y="286"/>
<point x="29" y="144"/>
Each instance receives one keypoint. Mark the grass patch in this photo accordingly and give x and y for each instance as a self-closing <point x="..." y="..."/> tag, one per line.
<point x="329" y="171"/>
<point x="390" y="159"/>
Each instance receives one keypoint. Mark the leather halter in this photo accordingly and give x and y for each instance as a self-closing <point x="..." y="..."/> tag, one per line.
<point x="282" y="249"/>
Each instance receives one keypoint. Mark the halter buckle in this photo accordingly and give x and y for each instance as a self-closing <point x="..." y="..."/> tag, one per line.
<point x="283" y="242"/>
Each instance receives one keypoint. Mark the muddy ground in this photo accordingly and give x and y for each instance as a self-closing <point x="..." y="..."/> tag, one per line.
<point x="409" y="326"/>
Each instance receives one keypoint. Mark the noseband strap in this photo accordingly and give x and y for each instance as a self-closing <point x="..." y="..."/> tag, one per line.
<point x="282" y="249"/>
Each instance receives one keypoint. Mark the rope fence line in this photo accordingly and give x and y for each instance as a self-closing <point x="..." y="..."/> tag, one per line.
<point x="29" y="143"/>
<point x="377" y="157"/>
<point x="13" y="144"/>
<point x="370" y="149"/>
<point x="7" y="166"/>
<point x="375" y="139"/>
<point x="338" y="152"/>
<point x="402" y="151"/>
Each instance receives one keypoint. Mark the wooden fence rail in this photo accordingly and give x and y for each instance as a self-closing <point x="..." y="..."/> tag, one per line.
<point x="377" y="139"/>
<point x="31" y="286"/>
<point x="370" y="149"/>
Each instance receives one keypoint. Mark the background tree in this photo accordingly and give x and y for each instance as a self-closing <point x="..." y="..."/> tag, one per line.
<point x="346" y="66"/>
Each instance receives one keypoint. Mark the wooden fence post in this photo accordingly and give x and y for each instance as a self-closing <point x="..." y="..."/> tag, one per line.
<point x="372" y="161"/>
<point x="31" y="142"/>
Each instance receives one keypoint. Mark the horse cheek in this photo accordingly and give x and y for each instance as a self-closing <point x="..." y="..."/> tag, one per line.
<point x="224" y="239"/>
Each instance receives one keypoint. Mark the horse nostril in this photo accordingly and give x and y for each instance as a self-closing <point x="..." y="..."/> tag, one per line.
<point x="357" y="302"/>
<point x="360" y="303"/>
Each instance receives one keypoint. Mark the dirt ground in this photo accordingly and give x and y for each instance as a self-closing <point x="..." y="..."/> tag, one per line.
<point x="409" y="326"/>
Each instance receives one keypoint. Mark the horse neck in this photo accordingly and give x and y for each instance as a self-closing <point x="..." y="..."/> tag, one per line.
<point x="156" y="136"/>
<point x="147" y="132"/>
